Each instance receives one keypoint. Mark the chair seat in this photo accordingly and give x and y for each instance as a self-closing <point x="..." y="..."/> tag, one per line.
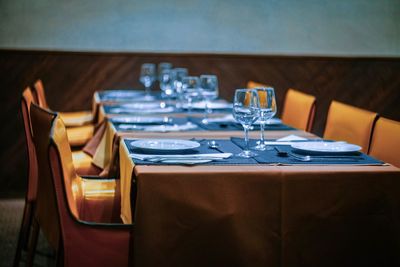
<point x="77" y="118"/>
<point x="83" y="163"/>
<point x="79" y="136"/>
<point x="101" y="201"/>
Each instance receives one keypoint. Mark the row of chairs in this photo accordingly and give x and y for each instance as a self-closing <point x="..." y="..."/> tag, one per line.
<point x="378" y="136"/>
<point x="78" y="215"/>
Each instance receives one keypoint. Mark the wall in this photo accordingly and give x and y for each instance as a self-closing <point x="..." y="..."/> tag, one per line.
<point x="307" y="27"/>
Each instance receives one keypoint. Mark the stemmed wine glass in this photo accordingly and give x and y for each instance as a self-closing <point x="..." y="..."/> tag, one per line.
<point x="245" y="111"/>
<point x="267" y="110"/>
<point x="209" y="92"/>
<point x="179" y="74"/>
<point x="167" y="78"/>
<point x="147" y="77"/>
<point x="190" y="90"/>
<point x="161" y="67"/>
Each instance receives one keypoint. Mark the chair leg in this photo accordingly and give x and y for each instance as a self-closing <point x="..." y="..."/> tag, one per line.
<point x="23" y="236"/>
<point x="33" y="243"/>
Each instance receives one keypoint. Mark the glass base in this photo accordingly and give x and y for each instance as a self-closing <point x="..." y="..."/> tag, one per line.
<point x="204" y="121"/>
<point x="247" y="154"/>
<point x="261" y="146"/>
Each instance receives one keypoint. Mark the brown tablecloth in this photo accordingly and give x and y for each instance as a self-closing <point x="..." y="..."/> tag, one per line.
<point x="262" y="215"/>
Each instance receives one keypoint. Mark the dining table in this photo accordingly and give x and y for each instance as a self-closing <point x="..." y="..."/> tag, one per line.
<point x="269" y="210"/>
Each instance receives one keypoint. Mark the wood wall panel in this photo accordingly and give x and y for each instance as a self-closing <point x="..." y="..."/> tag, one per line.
<point x="71" y="78"/>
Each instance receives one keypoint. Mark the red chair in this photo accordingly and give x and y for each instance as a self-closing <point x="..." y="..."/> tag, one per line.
<point x="30" y="197"/>
<point x="77" y="215"/>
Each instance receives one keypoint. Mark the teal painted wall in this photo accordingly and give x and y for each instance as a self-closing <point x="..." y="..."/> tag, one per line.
<point x="285" y="27"/>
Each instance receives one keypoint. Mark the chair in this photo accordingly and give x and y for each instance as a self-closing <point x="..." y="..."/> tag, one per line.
<point x="350" y="124"/>
<point x="252" y="84"/>
<point x="385" y="143"/>
<point x="298" y="110"/>
<point x="66" y="203"/>
<point x="80" y="127"/>
<point x="30" y="197"/>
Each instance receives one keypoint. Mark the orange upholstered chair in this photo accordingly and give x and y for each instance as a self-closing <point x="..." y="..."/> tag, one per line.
<point x="80" y="127"/>
<point x="252" y="85"/>
<point x="385" y="143"/>
<point x="350" y="124"/>
<point x="298" y="110"/>
<point x="78" y="216"/>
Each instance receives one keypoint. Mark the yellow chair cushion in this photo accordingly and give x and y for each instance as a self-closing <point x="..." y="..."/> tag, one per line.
<point x="252" y="84"/>
<point x="79" y="136"/>
<point x="77" y="118"/>
<point x="385" y="144"/>
<point x="298" y="110"/>
<point x="350" y="124"/>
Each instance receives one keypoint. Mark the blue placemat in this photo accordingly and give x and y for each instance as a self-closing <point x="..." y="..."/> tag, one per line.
<point x="271" y="156"/>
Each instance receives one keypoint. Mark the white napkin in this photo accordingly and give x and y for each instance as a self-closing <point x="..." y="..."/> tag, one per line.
<point x="227" y="118"/>
<point x="179" y="156"/>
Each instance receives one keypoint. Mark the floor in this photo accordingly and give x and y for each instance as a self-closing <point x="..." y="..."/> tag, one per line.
<point x="10" y="220"/>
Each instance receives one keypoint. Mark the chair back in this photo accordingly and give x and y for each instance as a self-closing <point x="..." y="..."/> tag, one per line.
<point x="40" y="95"/>
<point x="350" y="124"/>
<point x="252" y="85"/>
<point x="385" y="143"/>
<point x="46" y="209"/>
<point x="299" y="110"/>
<point x="27" y="99"/>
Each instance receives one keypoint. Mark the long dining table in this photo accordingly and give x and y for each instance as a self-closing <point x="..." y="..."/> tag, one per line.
<point x="255" y="214"/>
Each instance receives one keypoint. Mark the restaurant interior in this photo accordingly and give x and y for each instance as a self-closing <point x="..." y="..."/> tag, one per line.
<point x="200" y="133"/>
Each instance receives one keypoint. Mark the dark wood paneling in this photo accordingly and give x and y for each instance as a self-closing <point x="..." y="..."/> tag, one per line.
<point x="71" y="78"/>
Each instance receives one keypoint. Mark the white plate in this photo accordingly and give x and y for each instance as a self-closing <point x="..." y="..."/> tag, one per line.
<point x="142" y="105"/>
<point x="166" y="145"/>
<point x="273" y="121"/>
<point x="326" y="147"/>
<point x="140" y="120"/>
<point x="143" y="111"/>
<point x="212" y="105"/>
<point x="122" y="93"/>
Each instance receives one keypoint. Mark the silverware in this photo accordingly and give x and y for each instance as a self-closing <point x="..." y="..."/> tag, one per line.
<point x="282" y="153"/>
<point x="213" y="144"/>
<point x="162" y="159"/>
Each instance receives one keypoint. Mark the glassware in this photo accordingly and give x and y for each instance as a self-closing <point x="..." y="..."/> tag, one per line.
<point x="161" y="67"/>
<point x="209" y="92"/>
<point x="179" y="74"/>
<point x="167" y="78"/>
<point x="147" y="77"/>
<point x="190" y="90"/>
<point x="267" y="110"/>
<point x="245" y="111"/>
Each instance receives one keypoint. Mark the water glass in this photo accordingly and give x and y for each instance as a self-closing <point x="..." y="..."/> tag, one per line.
<point x="147" y="77"/>
<point x="209" y="92"/>
<point x="267" y="110"/>
<point x="179" y="74"/>
<point x="161" y="67"/>
<point x="245" y="111"/>
<point x="190" y="90"/>
<point x="167" y="78"/>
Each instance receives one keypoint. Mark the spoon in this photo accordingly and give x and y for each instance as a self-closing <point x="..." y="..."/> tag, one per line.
<point x="213" y="144"/>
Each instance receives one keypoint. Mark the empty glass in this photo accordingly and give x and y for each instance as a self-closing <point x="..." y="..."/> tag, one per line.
<point x="179" y="74"/>
<point x="147" y="77"/>
<point x="245" y="111"/>
<point x="161" y="67"/>
<point x="167" y="78"/>
<point x="209" y="92"/>
<point x="190" y="90"/>
<point x="267" y="110"/>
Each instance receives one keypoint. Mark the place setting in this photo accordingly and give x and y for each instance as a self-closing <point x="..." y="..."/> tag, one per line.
<point x="152" y="124"/>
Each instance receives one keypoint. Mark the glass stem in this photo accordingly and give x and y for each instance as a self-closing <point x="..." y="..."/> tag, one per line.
<point x="189" y="105"/>
<point x="148" y="90"/>
<point x="262" y="139"/>
<point x="246" y="138"/>
<point x="207" y="110"/>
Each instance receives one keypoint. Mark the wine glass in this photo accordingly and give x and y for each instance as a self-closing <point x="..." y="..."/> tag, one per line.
<point x="147" y="77"/>
<point x="245" y="111"/>
<point x="161" y="67"/>
<point x="209" y="92"/>
<point x="179" y="74"/>
<point x="267" y="110"/>
<point x="190" y="90"/>
<point x="167" y="78"/>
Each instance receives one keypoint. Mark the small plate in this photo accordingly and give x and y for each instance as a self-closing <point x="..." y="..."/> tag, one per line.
<point x="326" y="147"/>
<point x="140" y="120"/>
<point x="212" y="105"/>
<point x="165" y="145"/>
<point x="142" y="105"/>
<point x="122" y="93"/>
<point x="122" y="110"/>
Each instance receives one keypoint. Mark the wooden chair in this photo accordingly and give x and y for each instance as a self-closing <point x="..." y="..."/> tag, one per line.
<point x="299" y="110"/>
<point x="350" y="124"/>
<point x="80" y="123"/>
<point x="252" y="85"/>
<point x="385" y="143"/>
<point x="78" y="216"/>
